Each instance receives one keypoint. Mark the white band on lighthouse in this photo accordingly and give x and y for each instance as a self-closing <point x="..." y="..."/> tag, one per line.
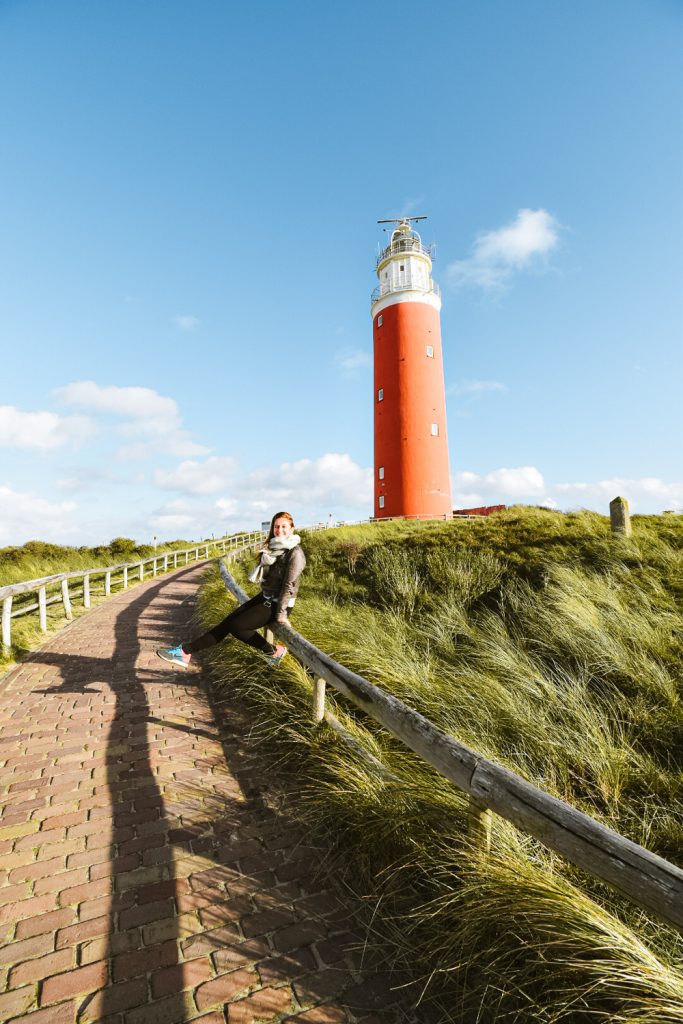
<point x="430" y="298"/>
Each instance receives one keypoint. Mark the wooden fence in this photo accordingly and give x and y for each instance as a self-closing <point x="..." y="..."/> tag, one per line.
<point x="650" y="881"/>
<point x="106" y="577"/>
<point x="127" y="571"/>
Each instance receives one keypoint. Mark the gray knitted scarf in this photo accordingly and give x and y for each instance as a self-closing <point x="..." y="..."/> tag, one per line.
<point x="277" y="547"/>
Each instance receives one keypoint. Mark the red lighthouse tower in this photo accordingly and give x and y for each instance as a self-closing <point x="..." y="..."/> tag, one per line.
<point x="412" y="473"/>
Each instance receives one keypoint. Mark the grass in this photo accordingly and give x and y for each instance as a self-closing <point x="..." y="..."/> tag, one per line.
<point x="545" y="644"/>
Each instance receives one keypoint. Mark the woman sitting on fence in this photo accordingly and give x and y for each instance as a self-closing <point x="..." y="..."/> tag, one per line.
<point x="281" y="563"/>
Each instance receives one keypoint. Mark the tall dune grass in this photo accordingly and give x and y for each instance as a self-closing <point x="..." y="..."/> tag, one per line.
<point x="551" y="648"/>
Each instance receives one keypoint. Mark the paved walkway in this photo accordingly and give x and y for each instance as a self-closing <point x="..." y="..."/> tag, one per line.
<point x="143" y="880"/>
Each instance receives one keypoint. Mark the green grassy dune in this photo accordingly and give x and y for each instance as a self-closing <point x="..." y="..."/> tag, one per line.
<point x="545" y="644"/>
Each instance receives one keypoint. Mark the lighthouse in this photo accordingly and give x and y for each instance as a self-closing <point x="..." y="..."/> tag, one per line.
<point x="412" y="473"/>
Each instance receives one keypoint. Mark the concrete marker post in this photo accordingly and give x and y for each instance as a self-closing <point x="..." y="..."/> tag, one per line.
<point x="620" y="519"/>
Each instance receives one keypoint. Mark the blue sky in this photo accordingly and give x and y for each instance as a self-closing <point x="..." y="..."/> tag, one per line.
<point x="188" y="232"/>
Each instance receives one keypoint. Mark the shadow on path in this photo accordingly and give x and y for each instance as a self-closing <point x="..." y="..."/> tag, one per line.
<point x="200" y="900"/>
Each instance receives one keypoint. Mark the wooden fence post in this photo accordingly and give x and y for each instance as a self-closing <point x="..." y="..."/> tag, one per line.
<point x="154" y="567"/>
<point x="107" y="584"/>
<point x="619" y="517"/>
<point x="175" y="559"/>
<point x="187" y="556"/>
<point x="86" y="590"/>
<point x="318" y="700"/>
<point x="7" y="624"/>
<point x="125" y="577"/>
<point x="165" y="563"/>
<point x="479" y="824"/>
<point x="42" y="608"/>
<point x="142" y="571"/>
<point x="65" y="598"/>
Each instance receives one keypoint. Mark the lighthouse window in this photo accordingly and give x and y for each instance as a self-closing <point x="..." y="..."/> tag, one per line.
<point x="381" y="472"/>
<point x="381" y="501"/>
<point x="380" y="320"/>
<point x="435" y="429"/>
<point x="380" y="395"/>
<point x="430" y="351"/>
<point x="402" y="268"/>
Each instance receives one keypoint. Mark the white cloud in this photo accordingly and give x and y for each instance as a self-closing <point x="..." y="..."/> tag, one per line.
<point x="351" y="360"/>
<point x="172" y="522"/>
<point x="310" y="488"/>
<point x="646" y="494"/>
<point x="151" y="419"/>
<point x="332" y="479"/>
<point x="41" y="429"/>
<point x="186" y="322"/>
<point x="227" y="507"/>
<point x="524" y="481"/>
<point x="84" y="478"/>
<point x="133" y="402"/>
<point x="497" y="254"/>
<point x="28" y="517"/>
<point x="526" y="485"/>
<point x="179" y="444"/>
<point x="476" y="388"/>
<point x="208" y="477"/>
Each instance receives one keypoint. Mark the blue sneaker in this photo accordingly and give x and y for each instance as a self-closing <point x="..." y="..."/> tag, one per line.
<point x="276" y="657"/>
<point x="176" y="655"/>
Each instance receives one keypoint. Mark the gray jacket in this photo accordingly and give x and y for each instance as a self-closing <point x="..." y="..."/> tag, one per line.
<point x="281" y="580"/>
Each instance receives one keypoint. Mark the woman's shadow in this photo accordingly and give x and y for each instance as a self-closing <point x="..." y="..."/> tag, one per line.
<point x="250" y="903"/>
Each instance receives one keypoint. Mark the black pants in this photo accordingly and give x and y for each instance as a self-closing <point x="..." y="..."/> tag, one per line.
<point x="242" y="624"/>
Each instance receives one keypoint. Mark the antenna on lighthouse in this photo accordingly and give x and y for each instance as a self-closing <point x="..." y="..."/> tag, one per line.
<point x="400" y="220"/>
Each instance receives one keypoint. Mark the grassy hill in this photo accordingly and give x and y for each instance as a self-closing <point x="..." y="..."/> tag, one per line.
<point x="545" y="644"/>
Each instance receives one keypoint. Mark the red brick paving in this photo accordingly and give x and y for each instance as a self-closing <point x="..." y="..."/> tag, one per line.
<point x="142" y="881"/>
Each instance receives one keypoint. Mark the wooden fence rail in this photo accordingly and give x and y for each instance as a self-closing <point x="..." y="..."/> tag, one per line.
<point x="648" y="880"/>
<point x="159" y="563"/>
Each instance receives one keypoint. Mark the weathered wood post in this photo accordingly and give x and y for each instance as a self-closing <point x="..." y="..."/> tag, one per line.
<point x="479" y="824"/>
<point x="165" y="563"/>
<point x="154" y="567"/>
<point x="318" y="700"/>
<point x="620" y="519"/>
<point x="142" y="571"/>
<point x="207" y="551"/>
<point x="107" y="583"/>
<point x="65" y="598"/>
<point x="86" y="590"/>
<point x="187" y="556"/>
<point x="175" y="559"/>
<point x="125" y="577"/>
<point x="42" y="609"/>
<point x="7" y="624"/>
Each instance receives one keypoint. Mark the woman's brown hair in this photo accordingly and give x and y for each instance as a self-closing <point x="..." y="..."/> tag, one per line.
<point x="278" y="515"/>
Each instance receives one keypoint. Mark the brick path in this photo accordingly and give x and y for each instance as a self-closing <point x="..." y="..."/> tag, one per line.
<point x="142" y="878"/>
